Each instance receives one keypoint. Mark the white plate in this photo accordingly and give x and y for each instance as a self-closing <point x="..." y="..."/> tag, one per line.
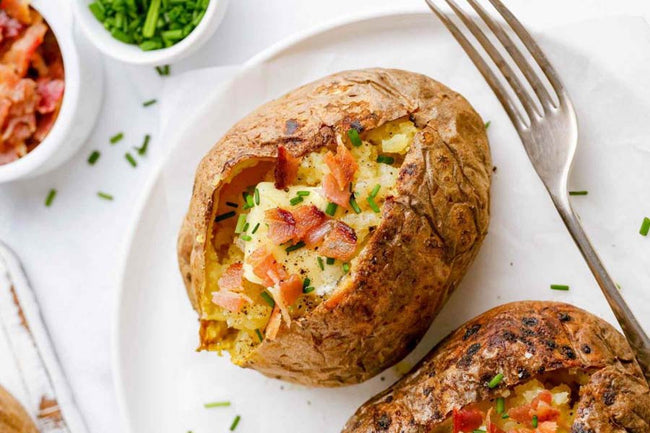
<point x="162" y="383"/>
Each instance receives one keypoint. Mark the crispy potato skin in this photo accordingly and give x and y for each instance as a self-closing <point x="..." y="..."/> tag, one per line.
<point x="558" y="336"/>
<point x="431" y="231"/>
<point x="13" y="418"/>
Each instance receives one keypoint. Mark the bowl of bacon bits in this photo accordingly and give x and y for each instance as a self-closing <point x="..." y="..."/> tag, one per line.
<point x="49" y="96"/>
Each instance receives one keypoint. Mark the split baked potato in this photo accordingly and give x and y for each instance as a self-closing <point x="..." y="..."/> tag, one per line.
<point x="13" y="417"/>
<point x="524" y="367"/>
<point x="328" y="227"/>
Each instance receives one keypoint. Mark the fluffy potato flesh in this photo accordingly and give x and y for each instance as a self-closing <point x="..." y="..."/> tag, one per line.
<point x="546" y="404"/>
<point x="241" y="229"/>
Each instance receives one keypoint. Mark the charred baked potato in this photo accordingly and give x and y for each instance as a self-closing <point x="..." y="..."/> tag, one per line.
<point x="525" y="367"/>
<point x="328" y="227"/>
<point x="13" y="417"/>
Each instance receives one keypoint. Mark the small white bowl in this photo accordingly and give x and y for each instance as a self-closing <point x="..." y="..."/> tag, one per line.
<point x="132" y="53"/>
<point x="81" y="98"/>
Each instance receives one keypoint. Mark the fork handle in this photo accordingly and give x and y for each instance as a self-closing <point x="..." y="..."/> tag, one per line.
<point x="635" y="334"/>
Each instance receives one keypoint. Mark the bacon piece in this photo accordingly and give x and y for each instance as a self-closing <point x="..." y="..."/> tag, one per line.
<point x="19" y="129"/>
<point x="51" y="94"/>
<point x="308" y="218"/>
<point x="267" y="267"/>
<point x="286" y="168"/>
<point x="467" y="420"/>
<point x="333" y="193"/>
<point x="273" y="326"/>
<point x="342" y="165"/>
<point x="45" y="124"/>
<point x="340" y="242"/>
<point x="18" y="9"/>
<point x="315" y="236"/>
<point x="291" y="289"/>
<point x="231" y="301"/>
<point x="232" y="278"/>
<point x="547" y="427"/>
<point x="539" y="407"/>
<point x="22" y="50"/>
<point x="9" y="27"/>
<point x="282" y="225"/>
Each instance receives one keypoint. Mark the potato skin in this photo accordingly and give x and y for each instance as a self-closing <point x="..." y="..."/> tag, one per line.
<point x="13" y="417"/>
<point x="558" y="336"/>
<point x="431" y="231"/>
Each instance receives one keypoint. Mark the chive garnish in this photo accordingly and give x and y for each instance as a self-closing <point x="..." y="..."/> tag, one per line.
<point x="246" y="238"/>
<point x="246" y="226"/>
<point x="331" y="208"/>
<point x="216" y="404"/>
<point x="94" y="156"/>
<point x="385" y="159"/>
<point x="294" y="201"/>
<point x="268" y="298"/>
<point x="131" y="160"/>
<point x="231" y="204"/>
<point x="259" y="335"/>
<point x="149" y="102"/>
<point x="330" y="261"/>
<point x="104" y="195"/>
<point x="354" y="204"/>
<point x="249" y="201"/>
<point x="559" y="287"/>
<point x="303" y="193"/>
<point x="50" y="197"/>
<point x="224" y="216"/>
<point x="535" y="421"/>
<point x="295" y="247"/>
<point x="501" y="405"/>
<point x="505" y="416"/>
<point x="578" y="192"/>
<point x="645" y="227"/>
<point x="163" y="70"/>
<point x="353" y="135"/>
<point x="235" y="422"/>
<point x="305" y="283"/>
<point x="117" y="137"/>
<point x="496" y="380"/>
<point x="320" y="264"/>
<point x="373" y="204"/>
<point x="375" y="190"/>
<point x="241" y="221"/>
<point x="257" y="226"/>
<point x="142" y="150"/>
<point x="308" y="289"/>
<point x="257" y="196"/>
<point x="487" y="124"/>
<point x="346" y="267"/>
<point x="479" y="431"/>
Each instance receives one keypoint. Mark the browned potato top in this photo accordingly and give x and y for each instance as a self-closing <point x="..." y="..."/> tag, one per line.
<point x="520" y="340"/>
<point x="13" y="418"/>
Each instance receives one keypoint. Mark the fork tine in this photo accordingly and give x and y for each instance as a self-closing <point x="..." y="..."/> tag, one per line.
<point x="534" y="49"/>
<point x="513" y="112"/>
<point x="499" y="61"/>
<point x="517" y="56"/>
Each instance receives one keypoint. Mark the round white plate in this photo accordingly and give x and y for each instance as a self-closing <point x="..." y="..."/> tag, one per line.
<point x="162" y="383"/>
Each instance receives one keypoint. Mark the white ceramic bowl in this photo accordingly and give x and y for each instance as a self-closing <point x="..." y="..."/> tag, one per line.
<point x="132" y="53"/>
<point x="81" y="99"/>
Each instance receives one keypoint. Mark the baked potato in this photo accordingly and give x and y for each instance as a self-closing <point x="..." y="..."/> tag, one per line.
<point x="524" y="367"/>
<point x="328" y="227"/>
<point x="13" y="417"/>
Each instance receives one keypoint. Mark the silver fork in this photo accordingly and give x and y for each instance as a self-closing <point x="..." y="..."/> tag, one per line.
<point x="549" y="132"/>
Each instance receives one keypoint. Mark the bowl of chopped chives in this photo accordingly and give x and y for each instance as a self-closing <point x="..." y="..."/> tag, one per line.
<point x="149" y="32"/>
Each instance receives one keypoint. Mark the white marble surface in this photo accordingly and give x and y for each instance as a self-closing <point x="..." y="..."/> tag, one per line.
<point x="71" y="250"/>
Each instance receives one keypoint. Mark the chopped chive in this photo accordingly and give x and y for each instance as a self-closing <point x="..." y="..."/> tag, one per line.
<point x="249" y="201"/>
<point x="305" y="283"/>
<point x="385" y="159"/>
<point x="354" y="204"/>
<point x="578" y="192"/>
<point x="50" y="197"/>
<point x="163" y="70"/>
<point x="505" y="416"/>
<point x="246" y="238"/>
<point x="224" y="216"/>
<point x="645" y="227"/>
<point x="501" y="405"/>
<point x="496" y="380"/>
<point x="320" y="264"/>
<point x="303" y="193"/>
<point x="235" y="422"/>
<point x="216" y="404"/>
<point x="149" y="27"/>
<point x="294" y="201"/>
<point x="259" y="335"/>
<point x="142" y="150"/>
<point x="478" y="430"/>
<point x="268" y="298"/>
<point x="104" y="195"/>
<point x="375" y="190"/>
<point x="330" y="260"/>
<point x="353" y="135"/>
<point x="559" y="287"/>
<point x="331" y="209"/>
<point x="535" y="421"/>
<point x="131" y="160"/>
<point x="231" y="204"/>
<point x="257" y="226"/>
<point x="257" y="196"/>
<point x="117" y="137"/>
<point x="92" y="159"/>
<point x="308" y="289"/>
<point x="241" y="221"/>
<point x="346" y="267"/>
<point x="246" y="226"/>
<point x="149" y="102"/>
<point x="487" y="124"/>
<point x="98" y="10"/>
<point x="373" y="204"/>
<point x="295" y="247"/>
